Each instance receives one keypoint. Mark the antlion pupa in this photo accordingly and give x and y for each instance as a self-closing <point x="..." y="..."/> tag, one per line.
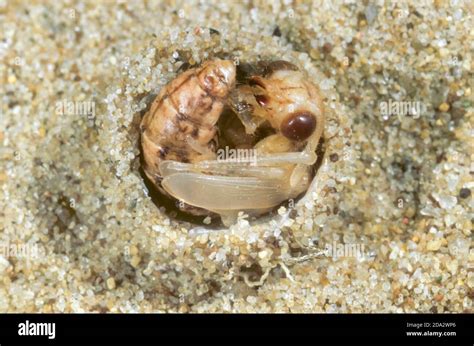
<point x="180" y="137"/>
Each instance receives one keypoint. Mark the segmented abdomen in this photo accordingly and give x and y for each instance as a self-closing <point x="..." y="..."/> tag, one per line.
<point x="181" y="112"/>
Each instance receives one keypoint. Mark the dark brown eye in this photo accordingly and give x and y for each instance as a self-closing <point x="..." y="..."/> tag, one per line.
<point x="262" y="100"/>
<point x="299" y="126"/>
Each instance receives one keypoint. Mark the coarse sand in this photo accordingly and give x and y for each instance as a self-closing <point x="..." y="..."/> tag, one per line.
<point x="385" y="226"/>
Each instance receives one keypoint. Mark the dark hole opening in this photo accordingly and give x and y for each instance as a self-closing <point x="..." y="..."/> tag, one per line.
<point x="170" y="204"/>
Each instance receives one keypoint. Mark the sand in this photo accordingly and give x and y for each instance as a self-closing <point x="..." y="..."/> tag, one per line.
<point x="385" y="227"/>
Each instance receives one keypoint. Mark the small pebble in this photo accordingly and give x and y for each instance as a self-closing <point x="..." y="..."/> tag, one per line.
<point x="111" y="283"/>
<point x="464" y="193"/>
<point x="444" y="107"/>
<point x="135" y="261"/>
<point x="434" y="245"/>
<point x="333" y="157"/>
<point x="277" y="32"/>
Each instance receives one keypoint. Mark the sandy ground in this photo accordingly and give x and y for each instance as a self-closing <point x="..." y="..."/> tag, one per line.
<point x="79" y="231"/>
